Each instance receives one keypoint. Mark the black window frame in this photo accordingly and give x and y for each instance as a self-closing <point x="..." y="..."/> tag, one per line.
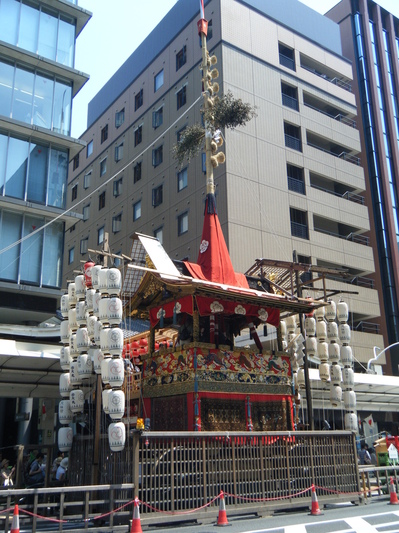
<point x="74" y="192"/>
<point x="157" y="195"/>
<point x="138" y="99"/>
<point x="137" y="169"/>
<point x="138" y="135"/>
<point x="157" y="156"/>
<point x="181" y="58"/>
<point x="119" y="118"/>
<point x="181" y="97"/>
<point x="104" y="133"/>
<point x="117" y="187"/>
<point x="157" y="117"/>
<point x="101" y="200"/>
<point x="180" y="218"/>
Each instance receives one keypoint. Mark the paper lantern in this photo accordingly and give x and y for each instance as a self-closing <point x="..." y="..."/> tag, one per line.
<point x="283" y="328"/>
<point x="73" y="323"/>
<point x="96" y="304"/>
<point x="114" y="281"/>
<point x="310" y="326"/>
<point x="65" y="438"/>
<point x="73" y="346"/>
<point x="88" y="266"/>
<point x="85" y="366"/>
<point x="77" y="401"/>
<point x="348" y="378"/>
<point x="336" y="374"/>
<point x="102" y="281"/>
<point x="322" y="351"/>
<point x="91" y="321"/>
<point x="335" y="395"/>
<point x="351" y="421"/>
<point x="74" y="374"/>
<point x="80" y="287"/>
<point x="116" y="436"/>
<point x="330" y="311"/>
<point x="116" y="372"/>
<point x="111" y="341"/>
<point x="89" y="299"/>
<point x="72" y="294"/>
<point x="97" y="332"/>
<point x="143" y="342"/>
<point x="105" y="400"/>
<point x="116" y="404"/>
<point x="65" y="415"/>
<point x="350" y="400"/>
<point x="82" y="340"/>
<point x="333" y="352"/>
<point x="95" y="276"/>
<point x="301" y="378"/>
<point x="64" y="305"/>
<point x="114" y="311"/>
<point x="332" y="331"/>
<point x="105" y="370"/>
<point x="311" y="345"/>
<point x="98" y="357"/>
<point x="319" y="313"/>
<point x="65" y="331"/>
<point x="81" y="313"/>
<point x="346" y="355"/>
<point x="321" y="331"/>
<point x="291" y="324"/>
<point x="65" y="358"/>
<point x="342" y="312"/>
<point x="65" y="384"/>
<point x="344" y="333"/>
<point x="324" y="371"/>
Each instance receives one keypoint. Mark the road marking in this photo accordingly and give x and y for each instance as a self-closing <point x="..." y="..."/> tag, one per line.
<point x="359" y="524"/>
<point x="295" y="529"/>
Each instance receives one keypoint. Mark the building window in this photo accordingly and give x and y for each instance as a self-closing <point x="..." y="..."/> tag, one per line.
<point x="306" y="277"/>
<point x="182" y="223"/>
<point x="119" y="152"/>
<point x="104" y="133"/>
<point x="157" y="117"/>
<point x="286" y="56"/>
<point x="89" y="149"/>
<point x="296" y="181"/>
<point x="86" y="212"/>
<point x="180" y="133"/>
<point x="118" y="260"/>
<point x="292" y="135"/>
<point x="117" y="223"/>
<point x="137" y="173"/>
<point x="181" y="97"/>
<point x="87" y="180"/>
<point x="158" y="81"/>
<point x="101" y="201"/>
<point x="299" y="223"/>
<point x="157" y="156"/>
<point x="158" y="234"/>
<point x="71" y="255"/>
<point x="210" y="31"/>
<point x="136" y="210"/>
<point x="290" y="96"/>
<point x="157" y="196"/>
<point x="181" y="58"/>
<point x="138" y="100"/>
<point x="118" y="187"/>
<point x="75" y="164"/>
<point x="103" y="166"/>
<point x="138" y="135"/>
<point x="119" y="118"/>
<point x="182" y="179"/>
<point x="72" y="228"/>
<point x="100" y="235"/>
<point x="74" y="192"/>
<point x="84" y="245"/>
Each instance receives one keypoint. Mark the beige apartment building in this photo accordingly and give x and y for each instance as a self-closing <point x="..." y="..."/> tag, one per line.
<point x="292" y="178"/>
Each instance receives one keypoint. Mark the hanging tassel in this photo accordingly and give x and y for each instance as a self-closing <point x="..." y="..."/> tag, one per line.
<point x="212" y="329"/>
<point x="161" y="318"/>
<point x="174" y="315"/>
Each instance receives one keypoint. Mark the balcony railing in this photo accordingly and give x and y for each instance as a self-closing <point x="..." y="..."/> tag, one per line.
<point x="336" y="81"/>
<point x="299" y="230"/>
<point x="343" y="155"/>
<point x="352" y="197"/>
<point x="293" y="142"/>
<point x="295" y="185"/>
<point x="291" y="102"/>
<point x="287" y="62"/>
<point x="367" y="327"/>
<point x="354" y="237"/>
<point x="339" y="117"/>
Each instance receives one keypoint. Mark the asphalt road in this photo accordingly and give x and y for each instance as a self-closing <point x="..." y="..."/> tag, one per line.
<point x="376" y="516"/>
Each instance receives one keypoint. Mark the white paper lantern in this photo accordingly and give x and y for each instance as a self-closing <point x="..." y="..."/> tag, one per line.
<point x="351" y="421"/>
<point x="335" y="395"/>
<point x="65" y="384"/>
<point x="350" y="400"/>
<point x="319" y="313"/>
<point x="348" y="378"/>
<point x="116" y="370"/>
<point x="301" y="378"/>
<point x="81" y="313"/>
<point x="310" y="326"/>
<point x="336" y="374"/>
<point x="73" y="347"/>
<point x="105" y="400"/>
<point x="283" y="328"/>
<point x="295" y="379"/>
<point x="96" y="304"/>
<point x="72" y="294"/>
<point x="65" y="331"/>
<point x="284" y="345"/>
<point x="114" y="281"/>
<point x="95" y="276"/>
<point x="64" y="305"/>
<point x="91" y="321"/>
<point x="89" y="299"/>
<point x="321" y="331"/>
<point x="77" y="401"/>
<point x="105" y="370"/>
<point x="98" y="357"/>
<point x="114" y="311"/>
<point x="332" y="331"/>
<point x="294" y="364"/>
<point x="80" y="287"/>
<point x="111" y="341"/>
<point x="331" y="311"/>
<point x="324" y="371"/>
<point x="82" y="340"/>
<point x="74" y="374"/>
<point x="102" y="281"/>
<point x="322" y="351"/>
<point x="344" y="333"/>
<point x="65" y="439"/>
<point x="85" y="366"/>
<point x="311" y="345"/>
<point x="65" y="358"/>
<point x="97" y="332"/>
<point x="65" y="415"/>
<point x="116" y="404"/>
<point x="342" y="312"/>
<point x="73" y="323"/>
<point x="333" y="352"/>
<point x="346" y="355"/>
<point x="117" y="436"/>
<point x="291" y="324"/>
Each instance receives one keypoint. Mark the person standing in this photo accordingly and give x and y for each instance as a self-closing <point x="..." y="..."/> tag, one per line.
<point x="37" y="470"/>
<point x="6" y="473"/>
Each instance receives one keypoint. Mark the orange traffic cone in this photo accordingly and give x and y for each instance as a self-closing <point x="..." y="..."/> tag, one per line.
<point x="315" y="504"/>
<point x="392" y="494"/>
<point x="222" y="518"/>
<point x="15" y="521"/>
<point x="136" y="524"/>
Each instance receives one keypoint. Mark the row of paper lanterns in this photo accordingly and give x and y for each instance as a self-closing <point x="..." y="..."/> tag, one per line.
<point x="92" y="341"/>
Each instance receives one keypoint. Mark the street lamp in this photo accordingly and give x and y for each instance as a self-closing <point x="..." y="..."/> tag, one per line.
<point x="377" y="356"/>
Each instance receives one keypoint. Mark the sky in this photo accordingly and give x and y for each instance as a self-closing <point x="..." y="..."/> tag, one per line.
<point x="111" y="35"/>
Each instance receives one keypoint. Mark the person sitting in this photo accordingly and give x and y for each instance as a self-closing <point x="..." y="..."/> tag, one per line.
<point x="37" y="471"/>
<point x="6" y="473"/>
